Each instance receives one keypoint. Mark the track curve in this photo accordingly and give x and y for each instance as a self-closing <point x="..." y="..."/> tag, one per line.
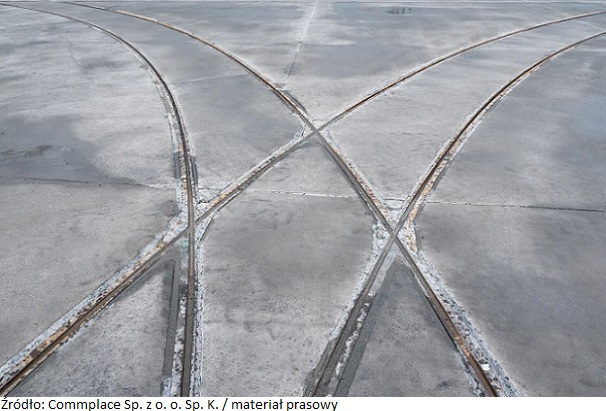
<point x="35" y="354"/>
<point x="364" y="190"/>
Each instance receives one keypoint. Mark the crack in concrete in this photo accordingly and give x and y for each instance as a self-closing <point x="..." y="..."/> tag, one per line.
<point x="294" y="59"/>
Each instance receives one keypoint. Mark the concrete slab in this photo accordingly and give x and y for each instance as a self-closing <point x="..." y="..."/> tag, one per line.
<point x="86" y="176"/>
<point x="333" y="53"/>
<point x="391" y="139"/>
<point x="68" y="249"/>
<point x="222" y="104"/>
<point x="349" y="46"/>
<point x="120" y="353"/>
<point x="234" y="123"/>
<point x="65" y="113"/>
<point x="518" y="236"/>
<point x="403" y="349"/>
<point x="87" y="180"/>
<point x="279" y="271"/>
<point x="267" y="39"/>
<point x="532" y="283"/>
<point x="553" y="155"/>
<point x="309" y="170"/>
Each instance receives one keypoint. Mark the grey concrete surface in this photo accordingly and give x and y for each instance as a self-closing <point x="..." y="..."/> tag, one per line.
<point x="267" y="39"/>
<point x="86" y="170"/>
<point x="514" y="230"/>
<point x="279" y="270"/>
<point x="344" y="50"/>
<point x="553" y="155"/>
<point x="309" y="171"/>
<point x="404" y="355"/>
<point x="532" y="282"/>
<point x="120" y="353"/>
<point x="82" y="241"/>
<point x="241" y="124"/>
<point x="390" y="138"/>
<point x="64" y="96"/>
<point x="516" y="227"/>
<point x="233" y="121"/>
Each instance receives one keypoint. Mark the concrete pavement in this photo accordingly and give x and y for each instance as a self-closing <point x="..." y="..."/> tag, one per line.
<point x="313" y="129"/>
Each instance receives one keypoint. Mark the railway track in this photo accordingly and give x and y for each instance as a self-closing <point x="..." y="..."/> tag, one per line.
<point x="493" y="384"/>
<point x="300" y="111"/>
<point x="325" y="375"/>
<point x="34" y="356"/>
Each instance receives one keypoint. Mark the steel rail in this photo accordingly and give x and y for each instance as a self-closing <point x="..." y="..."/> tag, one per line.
<point x="446" y="57"/>
<point x="493" y="387"/>
<point x="369" y="196"/>
<point x="42" y="351"/>
<point x="363" y="190"/>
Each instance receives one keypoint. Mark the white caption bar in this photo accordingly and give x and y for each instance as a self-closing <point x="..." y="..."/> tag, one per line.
<point x="289" y="403"/>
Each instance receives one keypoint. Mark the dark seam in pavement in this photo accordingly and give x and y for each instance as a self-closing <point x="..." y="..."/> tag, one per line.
<point x="375" y="306"/>
<point x="172" y="326"/>
<point x="302" y="193"/>
<point x="536" y="207"/>
<point x="96" y="183"/>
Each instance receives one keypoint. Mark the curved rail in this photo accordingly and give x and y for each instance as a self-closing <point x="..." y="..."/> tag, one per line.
<point x="357" y="179"/>
<point x="327" y="366"/>
<point x="39" y="352"/>
<point x="495" y="383"/>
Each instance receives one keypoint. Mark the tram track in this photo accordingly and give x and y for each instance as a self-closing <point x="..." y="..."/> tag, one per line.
<point x="35" y="355"/>
<point x="364" y="190"/>
<point x="424" y="67"/>
<point x="300" y="111"/>
<point x="493" y="383"/>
